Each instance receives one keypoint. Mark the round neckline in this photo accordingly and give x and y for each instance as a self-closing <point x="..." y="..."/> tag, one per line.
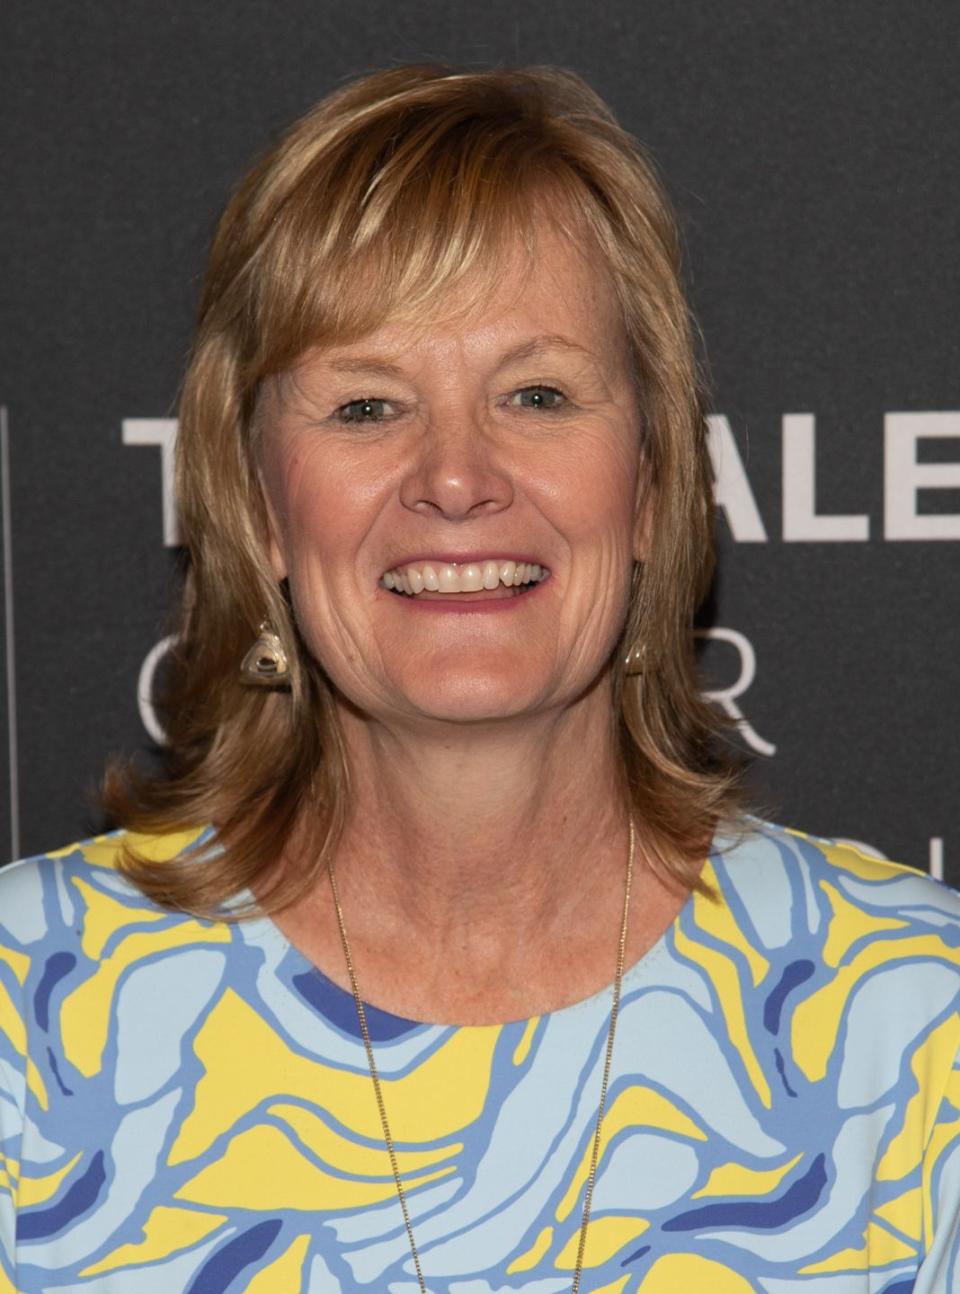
<point x="262" y="930"/>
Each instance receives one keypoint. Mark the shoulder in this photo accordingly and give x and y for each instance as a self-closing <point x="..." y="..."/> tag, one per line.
<point x="848" y="926"/>
<point x="854" y="961"/>
<point x="74" y="930"/>
<point x="95" y="979"/>
<point x="55" y="897"/>
<point x="793" y="876"/>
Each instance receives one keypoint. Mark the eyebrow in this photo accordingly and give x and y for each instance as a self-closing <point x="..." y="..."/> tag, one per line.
<point x="365" y="364"/>
<point x="538" y="346"/>
<point x="532" y="349"/>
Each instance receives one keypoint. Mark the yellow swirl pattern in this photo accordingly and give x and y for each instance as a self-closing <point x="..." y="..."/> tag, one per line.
<point x="185" y="1105"/>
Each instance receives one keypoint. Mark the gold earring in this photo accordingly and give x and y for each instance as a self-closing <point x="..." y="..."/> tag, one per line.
<point x="266" y="664"/>
<point x="635" y="660"/>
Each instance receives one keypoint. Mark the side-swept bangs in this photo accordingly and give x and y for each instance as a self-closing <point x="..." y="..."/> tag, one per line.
<point x="378" y="214"/>
<point x="399" y="195"/>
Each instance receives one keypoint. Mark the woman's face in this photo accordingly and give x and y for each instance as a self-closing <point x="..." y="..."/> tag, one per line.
<point x="450" y="455"/>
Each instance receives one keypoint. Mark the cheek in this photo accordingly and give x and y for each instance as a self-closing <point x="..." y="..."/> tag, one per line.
<point x="592" y="491"/>
<point x="326" y="504"/>
<point x="304" y="502"/>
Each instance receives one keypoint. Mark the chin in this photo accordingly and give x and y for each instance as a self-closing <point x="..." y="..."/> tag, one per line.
<point x="472" y="695"/>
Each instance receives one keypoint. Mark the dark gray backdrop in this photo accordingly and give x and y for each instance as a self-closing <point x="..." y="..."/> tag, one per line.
<point x="812" y="151"/>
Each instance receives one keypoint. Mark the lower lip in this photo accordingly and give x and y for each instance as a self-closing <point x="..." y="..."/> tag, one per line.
<point x="452" y="606"/>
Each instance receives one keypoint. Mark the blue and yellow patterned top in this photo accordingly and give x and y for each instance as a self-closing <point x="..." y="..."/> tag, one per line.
<point x="186" y="1106"/>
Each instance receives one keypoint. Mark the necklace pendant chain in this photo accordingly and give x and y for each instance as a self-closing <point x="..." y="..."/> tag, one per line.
<point x="607" y="1064"/>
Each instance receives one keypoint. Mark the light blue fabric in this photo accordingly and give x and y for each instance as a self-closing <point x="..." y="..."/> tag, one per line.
<point x="186" y="1106"/>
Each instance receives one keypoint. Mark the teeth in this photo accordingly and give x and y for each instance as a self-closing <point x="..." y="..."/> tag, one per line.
<point x="468" y="578"/>
<point x="471" y="579"/>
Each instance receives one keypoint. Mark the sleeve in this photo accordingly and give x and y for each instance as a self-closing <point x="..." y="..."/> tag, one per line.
<point x="13" y="1062"/>
<point x="939" y="1272"/>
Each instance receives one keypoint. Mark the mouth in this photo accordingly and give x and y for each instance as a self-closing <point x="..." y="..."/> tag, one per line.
<point x="485" y="580"/>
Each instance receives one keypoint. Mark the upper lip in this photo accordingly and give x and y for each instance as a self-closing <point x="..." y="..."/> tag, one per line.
<point x="464" y="559"/>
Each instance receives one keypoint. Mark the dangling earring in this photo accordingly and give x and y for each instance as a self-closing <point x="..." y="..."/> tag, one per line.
<point x="635" y="660"/>
<point x="266" y="664"/>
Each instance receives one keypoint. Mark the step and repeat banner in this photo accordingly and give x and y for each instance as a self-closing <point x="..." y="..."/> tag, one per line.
<point x="811" y="151"/>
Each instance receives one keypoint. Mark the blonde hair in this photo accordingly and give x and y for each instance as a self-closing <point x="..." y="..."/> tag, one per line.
<point x="388" y="193"/>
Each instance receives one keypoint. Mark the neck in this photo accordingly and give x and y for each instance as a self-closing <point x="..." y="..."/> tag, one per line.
<point x="482" y="867"/>
<point x="482" y="831"/>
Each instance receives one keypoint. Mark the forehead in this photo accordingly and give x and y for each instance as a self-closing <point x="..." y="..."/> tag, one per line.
<point x="543" y="291"/>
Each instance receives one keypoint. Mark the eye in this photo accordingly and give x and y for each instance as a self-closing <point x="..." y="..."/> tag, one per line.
<point x="542" y="398"/>
<point x="369" y="409"/>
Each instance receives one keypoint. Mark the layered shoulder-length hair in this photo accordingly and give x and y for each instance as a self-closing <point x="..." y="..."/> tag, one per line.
<point x="397" y="192"/>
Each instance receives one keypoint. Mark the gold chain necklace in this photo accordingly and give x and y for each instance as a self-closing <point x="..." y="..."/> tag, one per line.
<point x="378" y="1092"/>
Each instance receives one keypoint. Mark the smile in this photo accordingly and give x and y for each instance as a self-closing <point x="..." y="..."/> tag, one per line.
<point x="421" y="579"/>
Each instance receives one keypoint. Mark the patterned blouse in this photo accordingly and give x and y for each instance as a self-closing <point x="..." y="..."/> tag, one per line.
<point x="185" y="1105"/>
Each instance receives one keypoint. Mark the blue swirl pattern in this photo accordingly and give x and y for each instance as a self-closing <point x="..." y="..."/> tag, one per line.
<point x="185" y="1104"/>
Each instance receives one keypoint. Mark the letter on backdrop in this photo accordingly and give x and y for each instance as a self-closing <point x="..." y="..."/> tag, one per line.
<point x="905" y="477"/>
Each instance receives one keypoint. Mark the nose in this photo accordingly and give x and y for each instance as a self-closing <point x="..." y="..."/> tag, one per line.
<point x="456" y="473"/>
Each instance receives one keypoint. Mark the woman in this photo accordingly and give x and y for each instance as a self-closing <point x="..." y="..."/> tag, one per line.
<point x="335" y="1010"/>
